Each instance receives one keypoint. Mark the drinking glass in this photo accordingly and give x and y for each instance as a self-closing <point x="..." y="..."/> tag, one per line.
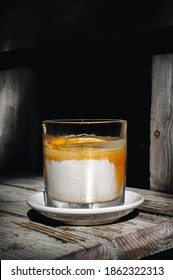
<point x="84" y="162"/>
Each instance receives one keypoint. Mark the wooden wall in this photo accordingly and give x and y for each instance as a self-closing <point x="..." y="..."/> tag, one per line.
<point x="161" y="157"/>
<point x="19" y="121"/>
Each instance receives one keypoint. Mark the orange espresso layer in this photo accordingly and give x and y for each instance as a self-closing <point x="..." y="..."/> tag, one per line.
<point x="83" y="148"/>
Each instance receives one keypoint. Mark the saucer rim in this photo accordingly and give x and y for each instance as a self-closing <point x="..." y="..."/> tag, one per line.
<point x="136" y="199"/>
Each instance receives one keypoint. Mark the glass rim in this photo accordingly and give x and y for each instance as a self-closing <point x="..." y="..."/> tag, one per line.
<point x="83" y="121"/>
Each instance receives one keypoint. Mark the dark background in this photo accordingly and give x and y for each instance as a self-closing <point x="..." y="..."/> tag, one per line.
<point x="90" y="59"/>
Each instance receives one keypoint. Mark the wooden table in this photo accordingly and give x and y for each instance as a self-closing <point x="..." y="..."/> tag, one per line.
<point x="26" y="234"/>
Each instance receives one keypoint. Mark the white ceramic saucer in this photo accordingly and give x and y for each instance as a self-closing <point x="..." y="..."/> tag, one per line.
<point x="85" y="216"/>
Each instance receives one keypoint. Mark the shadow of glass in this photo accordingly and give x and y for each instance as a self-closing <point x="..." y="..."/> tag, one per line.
<point x="37" y="217"/>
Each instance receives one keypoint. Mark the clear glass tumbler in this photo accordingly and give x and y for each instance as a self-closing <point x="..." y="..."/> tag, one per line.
<point x="84" y="162"/>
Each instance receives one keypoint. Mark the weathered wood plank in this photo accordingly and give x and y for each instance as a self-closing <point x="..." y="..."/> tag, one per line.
<point x="19" y="121"/>
<point x="28" y="181"/>
<point x="156" y="202"/>
<point x="161" y="134"/>
<point x="133" y="239"/>
<point x="145" y="242"/>
<point x="26" y="234"/>
<point x="19" y="242"/>
<point x="102" y="242"/>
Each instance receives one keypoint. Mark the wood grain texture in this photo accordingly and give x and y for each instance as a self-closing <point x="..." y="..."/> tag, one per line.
<point x="19" y="120"/>
<point x="26" y="234"/>
<point x="161" y="149"/>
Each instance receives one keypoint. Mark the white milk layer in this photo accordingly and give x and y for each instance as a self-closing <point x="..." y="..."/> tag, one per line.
<point x="81" y="181"/>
